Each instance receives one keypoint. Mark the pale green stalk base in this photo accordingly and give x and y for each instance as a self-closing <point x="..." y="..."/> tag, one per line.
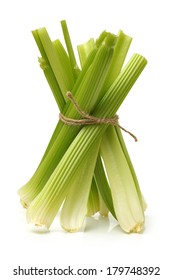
<point x="125" y="197"/>
<point x="75" y="206"/>
<point x="126" y="154"/>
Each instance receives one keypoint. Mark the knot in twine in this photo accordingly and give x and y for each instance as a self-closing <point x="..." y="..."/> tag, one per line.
<point x="90" y="120"/>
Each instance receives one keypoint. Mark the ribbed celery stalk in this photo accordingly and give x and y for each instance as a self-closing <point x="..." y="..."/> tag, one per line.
<point x="65" y="81"/>
<point x="49" y="74"/>
<point x="45" y="206"/>
<point x="86" y="94"/>
<point x="84" y="50"/>
<point x="103" y="185"/>
<point x="124" y="194"/>
<point x="132" y="170"/>
<point x="75" y="205"/>
<point x="101" y="38"/>
<point x="120" y="52"/>
<point x="64" y="61"/>
<point x="73" y="61"/>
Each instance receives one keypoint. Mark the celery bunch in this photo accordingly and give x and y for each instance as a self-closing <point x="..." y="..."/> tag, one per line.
<point x="86" y="169"/>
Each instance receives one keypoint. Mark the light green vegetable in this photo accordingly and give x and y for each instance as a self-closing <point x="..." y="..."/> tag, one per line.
<point x="75" y="205"/>
<point x="86" y="169"/>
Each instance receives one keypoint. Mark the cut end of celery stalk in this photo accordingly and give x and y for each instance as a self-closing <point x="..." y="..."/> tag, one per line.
<point x="135" y="227"/>
<point x="138" y="228"/>
<point x="38" y="228"/>
<point x="26" y="195"/>
<point x="70" y="230"/>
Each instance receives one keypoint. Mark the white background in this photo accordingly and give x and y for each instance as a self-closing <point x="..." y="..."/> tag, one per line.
<point x="28" y="114"/>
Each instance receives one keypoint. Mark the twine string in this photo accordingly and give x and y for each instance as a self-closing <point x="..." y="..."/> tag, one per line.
<point x="88" y="119"/>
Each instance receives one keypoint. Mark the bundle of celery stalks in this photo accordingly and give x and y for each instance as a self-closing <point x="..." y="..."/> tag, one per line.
<point x="86" y="168"/>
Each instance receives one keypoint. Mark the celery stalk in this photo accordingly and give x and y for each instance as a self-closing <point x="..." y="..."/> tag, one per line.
<point x="103" y="185"/>
<point x="49" y="74"/>
<point x="126" y="154"/>
<point x="84" y="50"/>
<point x="45" y="206"/>
<point x="73" y="61"/>
<point x="125" y="197"/>
<point x="100" y="40"/>
<point x="74" y="208"/>
<point x="120" y="52"/>
<point x="65" y="82"/>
